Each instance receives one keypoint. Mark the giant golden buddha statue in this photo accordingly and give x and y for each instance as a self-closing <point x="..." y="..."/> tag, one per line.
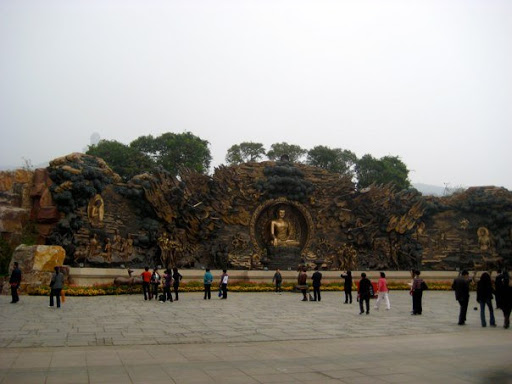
<point x="282" y="231"/>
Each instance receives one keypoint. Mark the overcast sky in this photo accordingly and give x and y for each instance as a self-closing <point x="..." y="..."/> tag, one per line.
<point x="428" y="81"/>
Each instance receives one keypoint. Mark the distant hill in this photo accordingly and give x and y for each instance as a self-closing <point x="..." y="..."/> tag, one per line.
<point x="427" y="189"/>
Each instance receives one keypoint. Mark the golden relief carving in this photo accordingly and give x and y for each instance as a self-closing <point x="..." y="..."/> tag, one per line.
<point x="404" y="223"/>
<point x="484" y="239"/>
<point x="96" y="211"/>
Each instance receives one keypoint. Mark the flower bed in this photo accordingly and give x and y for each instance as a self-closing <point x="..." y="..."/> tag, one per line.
<point x="197" y="286"/>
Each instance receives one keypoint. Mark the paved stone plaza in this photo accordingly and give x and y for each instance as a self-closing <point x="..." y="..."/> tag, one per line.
<point x="249" y="338"/>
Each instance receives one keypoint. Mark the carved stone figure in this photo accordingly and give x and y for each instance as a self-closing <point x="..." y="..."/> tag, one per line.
<point x="117" y="244"/>
<point x="92" y="247"/>
<point x="282" y="232"/>
<point x="165" y="250"/>
<point x="108" y="250"/>
<point x="128" y="247"/>
<point x="484" y="240"/>
<point x="130" y="280"/>
<point x="174" y="247"/>
<point x="96" y="211"/>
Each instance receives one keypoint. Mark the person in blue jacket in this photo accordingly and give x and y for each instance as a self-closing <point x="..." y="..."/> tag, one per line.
<point x="208" y="280"/>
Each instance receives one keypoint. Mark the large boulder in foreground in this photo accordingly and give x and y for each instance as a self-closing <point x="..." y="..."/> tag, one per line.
<point x="37" y="263"/>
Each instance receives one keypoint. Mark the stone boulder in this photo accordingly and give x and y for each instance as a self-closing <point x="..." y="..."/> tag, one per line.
<point x="37" y="263"/>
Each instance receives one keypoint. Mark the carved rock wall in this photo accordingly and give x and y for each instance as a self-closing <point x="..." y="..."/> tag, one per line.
<point x="224" y="220"/>
<point x="15" y="202"/>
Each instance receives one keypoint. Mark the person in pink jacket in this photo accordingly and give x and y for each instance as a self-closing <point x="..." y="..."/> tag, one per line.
<point x="383" y="292"/>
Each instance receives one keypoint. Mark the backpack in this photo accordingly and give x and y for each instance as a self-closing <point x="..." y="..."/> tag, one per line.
<point x="370" y="290"/>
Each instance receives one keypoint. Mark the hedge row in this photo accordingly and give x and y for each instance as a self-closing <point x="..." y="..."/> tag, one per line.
<point x="195" y="286"/>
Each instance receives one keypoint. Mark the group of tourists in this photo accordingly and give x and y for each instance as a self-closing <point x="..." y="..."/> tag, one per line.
<point x="151" y="281"/>
<point x="365" y="289"/>
<point x="485" y="291"/>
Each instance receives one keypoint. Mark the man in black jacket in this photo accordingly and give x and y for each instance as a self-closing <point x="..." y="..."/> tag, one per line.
<point x="317" y="282"/>
<point x="461" y="287"/>
<point x="15" y="281"/>
<point x="365" y="286"/>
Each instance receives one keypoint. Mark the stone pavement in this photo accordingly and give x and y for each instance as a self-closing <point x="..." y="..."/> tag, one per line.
<point x="249" y="338"/>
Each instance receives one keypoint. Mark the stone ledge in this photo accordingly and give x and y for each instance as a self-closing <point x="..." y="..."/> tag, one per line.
<point x="92" y="276"/>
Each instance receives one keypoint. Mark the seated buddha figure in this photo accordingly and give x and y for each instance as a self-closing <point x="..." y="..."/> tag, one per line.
<point x="282" y="231"/>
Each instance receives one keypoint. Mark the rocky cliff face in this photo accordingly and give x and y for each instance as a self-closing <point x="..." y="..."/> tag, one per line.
<point x="15" y="202"/>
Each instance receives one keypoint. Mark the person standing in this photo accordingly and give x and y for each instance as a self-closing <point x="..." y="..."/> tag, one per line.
<point x="347" y="286"/>
<point x="317" y="282"/>
<point x="302" y="283"/>
<point x="416" y="293"/>
<point x="167" y="283"/>
<point x="155" y="283"/>
<point x="224" y="284"/>
<point x="56" y="284"/>
<point x="208" y="280"/>
<point x="461" y="287"/>
<point x="14" y="282"/>
<point x="484" y="292"/>
<point x="383" y="292"/>
<point x="504" y="294"/>
<point x="365" y="286"/>
<point x="146" y="281"/>
<point x="499" y="286"/>
<point x="176" y="276"/>
<point x="277" y="280"/>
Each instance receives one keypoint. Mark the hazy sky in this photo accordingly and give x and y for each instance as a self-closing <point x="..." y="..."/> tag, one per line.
<point x="429" y="81"/>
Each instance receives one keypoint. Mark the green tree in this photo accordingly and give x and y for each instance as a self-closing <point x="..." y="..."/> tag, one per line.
<point x="147" y="145"/>
<point x="294" y="152"/>
<point x="333" y="159"/>
<point x="244" y="153"/>
<point x="172" y="150"/>
<point x="388" y="169"/>
<point x="124" y="160"/>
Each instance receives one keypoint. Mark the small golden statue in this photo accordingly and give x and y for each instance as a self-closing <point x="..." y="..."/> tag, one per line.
<point x="96" y="211"/>
<point x="282" y="232"/>
<point x="484" y="239"/>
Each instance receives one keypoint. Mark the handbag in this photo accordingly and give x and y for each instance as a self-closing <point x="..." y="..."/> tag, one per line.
<point x="424" y="286"/>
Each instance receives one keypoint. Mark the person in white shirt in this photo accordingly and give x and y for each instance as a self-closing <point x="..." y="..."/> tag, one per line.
<point x="224" y="284"/>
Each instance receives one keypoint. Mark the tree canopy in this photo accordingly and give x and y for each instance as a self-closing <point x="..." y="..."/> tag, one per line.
<point x="333" y="159"/>
<point x="123" y="159"/>
<point x="244" y="152"/>
<point x="294" y="152"/>
<point x="388" y="169"/>
<point x="172" y="150"/>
